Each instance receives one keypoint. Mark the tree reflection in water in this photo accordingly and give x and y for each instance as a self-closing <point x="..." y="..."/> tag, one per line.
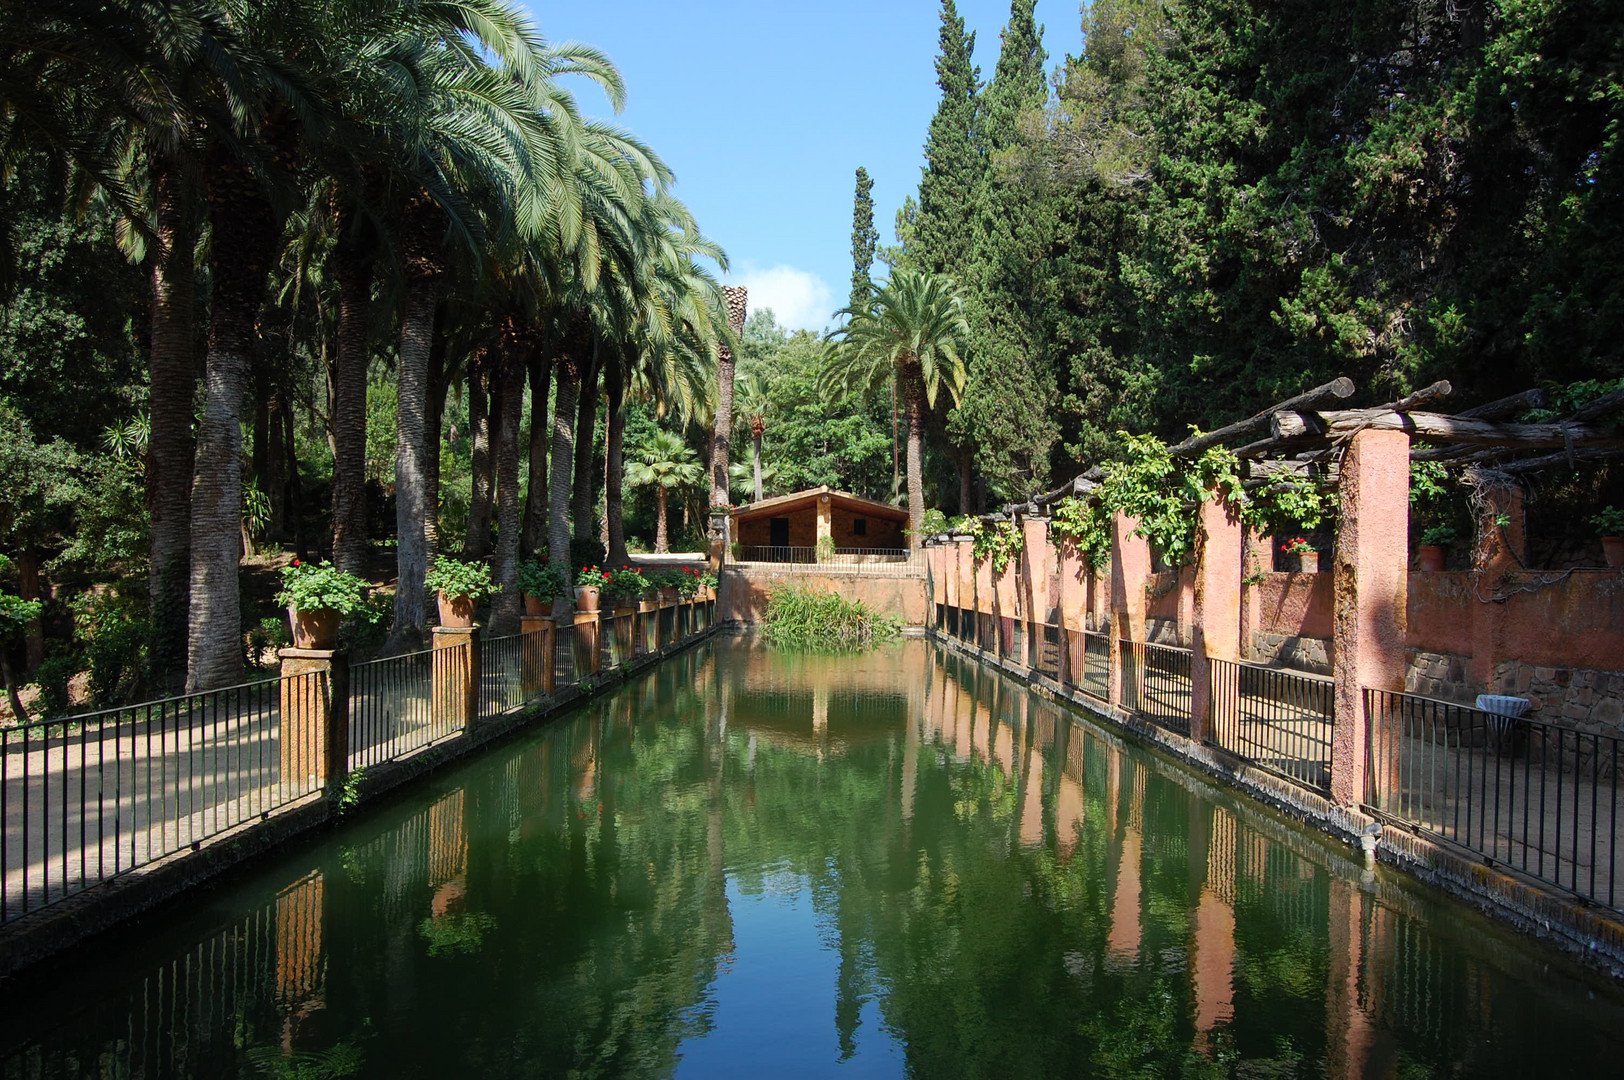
<point x="752" y="862"/>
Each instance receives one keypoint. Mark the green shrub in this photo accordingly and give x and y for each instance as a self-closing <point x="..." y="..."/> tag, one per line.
<point x="313" y="586"/>
<point x="625" y="584"/>
<point x="456" y="578"/>
<point x="1610" y="522"/>
<point x="802" y="618"/>
<point x="825" y="548"/>
<point x="540" y="579"/>
<point x="52" y="677"/>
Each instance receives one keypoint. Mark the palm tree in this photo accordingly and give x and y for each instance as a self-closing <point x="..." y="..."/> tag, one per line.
<point x="722" y="429"/>
<point x="909" y="334"/>
<point x="667" y="463"/>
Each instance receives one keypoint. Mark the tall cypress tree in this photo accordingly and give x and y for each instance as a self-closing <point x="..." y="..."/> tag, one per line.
<point x="940" y="242"/>
<point x="1010" y="408"/>
<point x="864" y="238"/>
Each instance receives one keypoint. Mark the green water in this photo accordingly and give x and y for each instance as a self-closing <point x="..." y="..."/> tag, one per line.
<point x="759" y="865"/>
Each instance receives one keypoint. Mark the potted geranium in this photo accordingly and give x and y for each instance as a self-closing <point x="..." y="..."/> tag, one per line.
<point x="318" y="596"/>
<point x="707" y="585"/>
<point x="542" y="583"/>
<point x="589" y="584"/>
<point x="668" y="587"/>
<point x="1610" y="524"/>
<point x="622" y="587"/>
<point x="687" y="580"/>
<point x="459" y="585"/>
<point x="1300" y="547"/>
<point x="1434" y="546"/>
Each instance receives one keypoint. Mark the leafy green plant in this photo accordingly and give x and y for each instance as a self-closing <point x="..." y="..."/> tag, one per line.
<point x="542" y="580"/>
<point x="591" y="577"/>
<point x="707" y="579"/>
<point x="625" y="583"/>
<point x="1438" y="536"/>
<point x="1610" y="522"/>
<point x="313" y="586"/>
<point x="347" y="795"/>
<point x="457" y="578"/>
<point x="1157" y="489"/>
<point x="825" y="548"/>
<point x="52" y="676"/>
<point x="687" y="582"/>
<point x="449" y="935"/>
<point x="935" y="522"/>
<point x="1429" y="485"/>
<point x="1087" y="525"/>
<point x="1000" y="541"/>
<point x="816" y="620"/>
<point x="736" y="549"/>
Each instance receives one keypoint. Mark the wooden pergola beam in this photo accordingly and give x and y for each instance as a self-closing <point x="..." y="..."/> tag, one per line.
<point x="1334" y="390"/>
<point x="1437" y="427"/>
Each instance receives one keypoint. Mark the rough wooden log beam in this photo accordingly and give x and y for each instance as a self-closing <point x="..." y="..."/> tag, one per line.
<point x="1439" y="428"/>
<point x="1595" y="410"/>
<point x="1334" y="390"/>
<point x="1289" y="467"/>
<point x="1081" y="484"/>
<point x="1551" y="461"/>
<point x="1507" y="407"/>
<point x="1424" y="396"/>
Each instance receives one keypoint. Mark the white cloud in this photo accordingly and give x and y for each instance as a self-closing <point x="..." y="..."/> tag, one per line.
<point x="800" y="299"/>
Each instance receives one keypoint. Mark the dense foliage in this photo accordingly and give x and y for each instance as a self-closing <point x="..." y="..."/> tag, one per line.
<point x="823" y="621"/>
<point x="1221" y="203"/>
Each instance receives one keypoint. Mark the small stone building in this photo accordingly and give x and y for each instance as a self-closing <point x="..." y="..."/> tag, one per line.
<point x="787" y="528"/>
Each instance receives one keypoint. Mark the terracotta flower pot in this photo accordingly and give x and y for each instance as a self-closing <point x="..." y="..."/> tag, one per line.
<point x="1432" y="557"/>
<point x="1310" y="562"/>
<point x="586" y="598"/>
<point x="456" y="611"/>
<point x="535" y="606"/>
<point x="316" y="628"/>
<point x="1613" y="548"/>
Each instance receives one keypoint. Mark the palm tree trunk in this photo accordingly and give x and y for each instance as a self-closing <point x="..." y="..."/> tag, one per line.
<point x="661" y="543"/>
<point x="965" y="493"/>
<point x="723" y="428"/>
<point x="295" y="515"/>
<point x="568" y="380"/>
<point x="170" y="445"/>
<point x="477" y="543"/>
<point x="349" y="423"/>
<point x="755" y="438"/>
<point x="535" y="507"/>
<point x="412" y="492"/>
<point x="510" y="394"/>
<point x="586" y="427"/>
<point x="913" y="405"/>
<point x="244" y="238"/>
<point x="614" y="460"/>
<point x="433" y="425"/>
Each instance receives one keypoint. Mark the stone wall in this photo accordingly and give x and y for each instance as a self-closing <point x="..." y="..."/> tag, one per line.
<point x="1276" y="649"/>
<point x="742" y="593"/>
<point x="1584" y="698"/>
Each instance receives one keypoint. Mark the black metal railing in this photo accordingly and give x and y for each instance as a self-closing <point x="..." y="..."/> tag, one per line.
<point x="1279" y="720"/>
<point x="1047" y="650"/>
<point x="1539" y="798"/>
<point x="393" y="706"/>
<point x="93" y="796"/>
<point x="1156" y="684"/>
<point x="502" y="673"/>
<point x="1096" y="673"/>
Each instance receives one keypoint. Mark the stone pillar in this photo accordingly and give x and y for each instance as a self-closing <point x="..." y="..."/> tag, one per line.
<point x="538" y="655"/>
<point x="720" y="539"/>
<point x="315" y="715"/>
<point x="1256" y="561"/>
<point x="1371" y="588"/>
<point x="648" y="625"/>
<point x="456" y="675"/>
<point x="587" y="629"/>
<point x="826" y="518"/>
<point x="1130" y="564"/>
<point x="1216" y="626"/>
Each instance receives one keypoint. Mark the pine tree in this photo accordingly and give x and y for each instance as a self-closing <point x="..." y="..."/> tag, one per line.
<point x="864" y="239"/>
<point x="940" y="240"/>
<point x="1010" y="410"/>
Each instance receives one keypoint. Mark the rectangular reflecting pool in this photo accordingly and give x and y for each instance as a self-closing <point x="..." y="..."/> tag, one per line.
<point x="757" y="864"/>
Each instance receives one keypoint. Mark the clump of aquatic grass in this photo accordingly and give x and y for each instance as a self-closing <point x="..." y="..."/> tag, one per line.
<point x="801" y="618"/>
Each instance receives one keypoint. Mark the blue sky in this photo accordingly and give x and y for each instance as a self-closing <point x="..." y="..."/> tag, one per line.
<point x="765" y="110"/>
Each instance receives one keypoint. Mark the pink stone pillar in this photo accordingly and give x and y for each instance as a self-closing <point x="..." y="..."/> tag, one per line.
<point x="315" y="725"/>
<point x="1130" y="564"/>
<point x="1371" y="585"/>
<point x="1215" y="631"/>
<point x="984" y="598"/>
<point x="587" y="630"/>
<point x="538" y="656"/>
